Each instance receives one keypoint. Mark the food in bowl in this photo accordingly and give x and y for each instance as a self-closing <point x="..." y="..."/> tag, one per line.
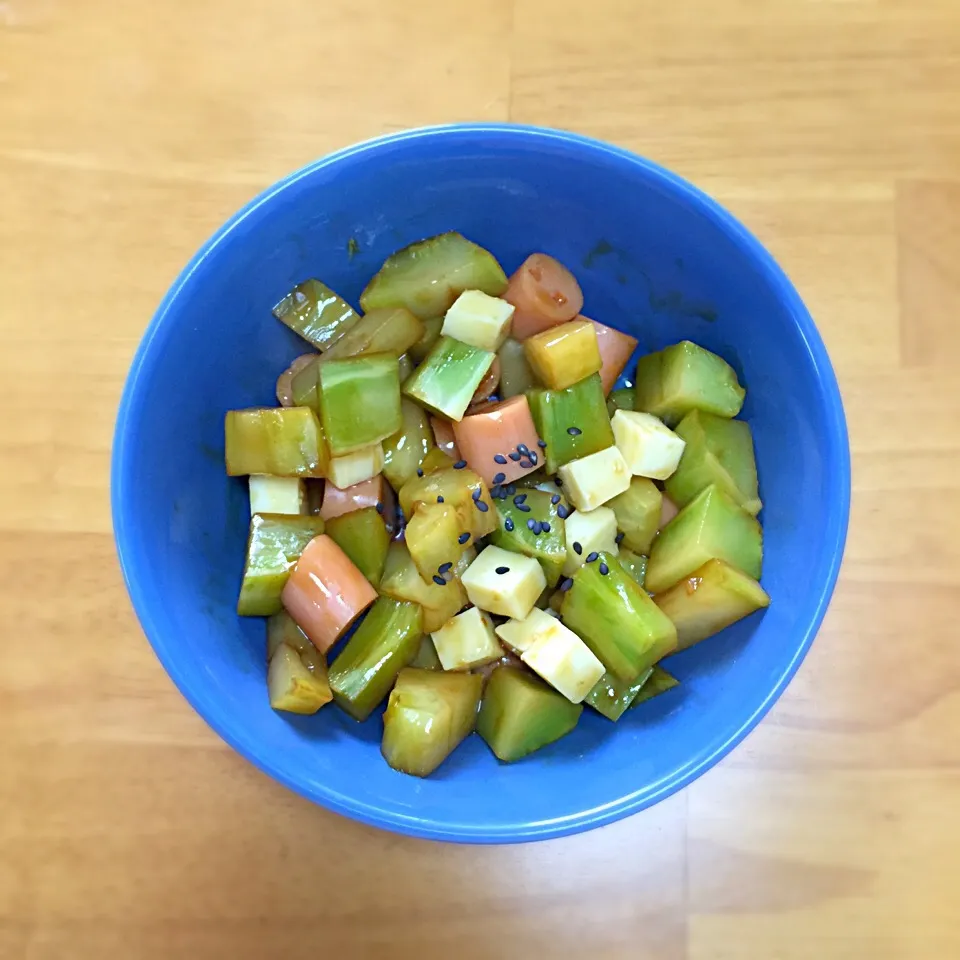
<point x="453" y="469"/>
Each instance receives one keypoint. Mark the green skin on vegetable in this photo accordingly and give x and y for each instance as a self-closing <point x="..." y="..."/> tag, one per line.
<point x="547" y="548"/>
<point x="362" y="535"/>
<point x="447" y="379"/>
<point x="634" y="564"/>
<point x="658" y="682"/>
<point x="581" y="408"/>
<point x="274" y="545"/>
<point x="277" y="441"/>
<point x="360" y="401"/>
<point x="521" y="714"/>
<point x="621" y="399"/>
<point x="386" y="641"/>
<point x="616" y="619"/>
<point x="611" y="696"/>
<point x="315" y="312"/>
<point x="391" y="330"/>
<point x="428" y="714"/>
<point x="516" y="374"/>
<point x="405" y="451"/>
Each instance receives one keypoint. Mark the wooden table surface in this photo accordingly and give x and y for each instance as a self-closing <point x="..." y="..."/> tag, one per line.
<point x="129" y="131"/>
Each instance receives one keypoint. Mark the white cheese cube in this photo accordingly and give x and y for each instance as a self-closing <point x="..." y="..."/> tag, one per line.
<point x="356" y="467"/>
<point x="564" y="661"/>
<point x="504" y="583"/>
<point x="590" y="530"/>
<point x="478" y="319"/>
<point x="467" y="640"/>
<point x="649" y="447"/>
<point x="285" y="495"/>
<point x="518" y="635"/>
<point x="592" y="481"/>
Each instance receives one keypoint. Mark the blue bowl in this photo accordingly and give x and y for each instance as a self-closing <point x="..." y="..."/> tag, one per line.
<point x="655" y="258"/>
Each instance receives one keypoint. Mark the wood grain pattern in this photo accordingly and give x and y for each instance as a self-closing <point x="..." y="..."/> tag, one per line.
<point x="128" y="132"/>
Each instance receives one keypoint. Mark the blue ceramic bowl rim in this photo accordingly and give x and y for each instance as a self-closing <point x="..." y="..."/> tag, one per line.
<point x="134" y="561"/>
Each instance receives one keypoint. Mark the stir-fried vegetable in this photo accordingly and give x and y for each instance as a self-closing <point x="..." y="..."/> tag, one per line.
<point x="275" y="441"/>
<point x="314" y="311"/>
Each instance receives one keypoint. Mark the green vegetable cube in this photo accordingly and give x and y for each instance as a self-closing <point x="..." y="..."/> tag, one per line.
<point x="314" y="311"/>
<point x="360" y="401"/>
<point x="447" y="379"/>
<point x="387" y="640"/>
<point x="391" y="330"/>
<point x="616" y="619"/>
<point x="295" y="687"/>
<point x="634" y="564"/>
<point x="520" y="714"/>
<point x="638" y="513"/>
<point x="433" y="538"/>
<point x="611" y="696"/>
<point x="686" y="377"/>
<point x="516" y="374"/>
<point x="440" y="602"/>
<point x="278" y="441"/>
<point x="573" y="422"/>
<point x="718" y="451"/>
<point x="710" y="526"/>
<point x="405" y="451"/>
<point x="462" y="489"/>
<point x="523" y="531"/>
<point x="362" y="535"/>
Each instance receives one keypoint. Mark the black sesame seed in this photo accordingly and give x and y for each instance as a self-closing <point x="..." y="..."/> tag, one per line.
<point x="520" y="498"/>
<point x="508" y="525"/>
<point x="563" y="511"/>
<point x="542" y="444"/>
<point x="577" y="547"/>
<point x="380" y="508"/>
<point x="444" y="567"/>
<point x="439" y="499"/>
<point x="481" y="506"/>
<point x="619" y="538"/>
<point x="544" y="526"/>
<point x="558" y="481"/>
<point x="574" y="431"/>
<point x="592" y="556"/>
<point x="604" y="569"/>
<point x="439" y="581"/>
<point x="499" y="458"/>
<point x="477" y="494"/>
<point x="523" y="508"/>
<point x="499" y="478"/>
<point x="502" y="570"/>
<point x="511" y="489"/>
<point x="514" y="456"/>
<point x="460" y="464"/>
<point x="463" y="538"/>
<point x="522" y="448"/>
<point x="566" y="585"/>
<point x="533" y="525"/>
<point x="533" y="457"/>
<point x="555" y="499"/>
<point x="419" y="472"/>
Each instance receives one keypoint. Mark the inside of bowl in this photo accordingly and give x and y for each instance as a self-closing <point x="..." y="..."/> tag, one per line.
<point x="654" y="261"/>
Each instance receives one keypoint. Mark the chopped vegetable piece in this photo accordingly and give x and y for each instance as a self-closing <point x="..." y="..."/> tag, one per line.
<point x="391" y="330"/>
<point x="406" y="366"/>
<point x="282" y="628"/>
<point x="545" y="293"/>
<point x="580" y="408"/>
<point x="500" y="428"/>
<point x="462" y="488"/>
<point x="516" y="375"/>
<point x="478" y="319"/>
<point x="611" y="696"/>
<point x="426" y="277"/>
<point x="710" y="527"/>
<point x="711" y="598"/>
<point x="559" y="656"/>
<point x="548" y="546"/>
<point x="354" y="468"/>
<point x="374" y="492"/>
<point x="314" y="311"/>
<point x="520" y="714"/>
<point x="659" y="682"/>
<point x="362" y="535"/>
<point x="638" y="513"/>
<point x="564" y="355"/>
<point x="587" y="532"/>
<point x="620" y="400"/>
<point x="277" y="441"/>
<point x="488" y="385"/>
<point x="433" y="537"/>
<point x="305" y="383"/>
<point x="326" y="592"/>
<point x="509" y="594"/>
<point x="401" y="581"/>
<point x="616" y="348"/>
<point x="686" y="377"/>
<point x="616" y="619"/>
<point x="285" y="380"/>
<point x="386" y="642"/>
<point x="444" y="437"/>
<point x="404" y="452"/>
<point x="595" y="479"/>
<point x="718" y="451"/>
<point x="447" y="379"/>
<point x="359" y="401"/>
<point x="285" y="495"/>
<point x="519" y="635"/>
<point x="428" y="714"/>
<point x="650" y="448"/>
<point x="426" y="658"/>
<point x="634" y="564"/>
<point x="467" y="640"/>
<point x="431" y="334"/>
<point x="294" y="687"/>
<point x="434" y="461"/>
<point x="273" y="546"/>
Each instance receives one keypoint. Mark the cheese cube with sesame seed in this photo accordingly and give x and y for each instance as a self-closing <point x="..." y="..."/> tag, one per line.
<point x="649" y="447"/>
<point x="467" y="640"/>
<point x="593" y="480"/>
<point x="590" y="530"/>
<point x="564" y="661"/>
<point x="478" y="319"/>
<point x="504" y="583"/>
